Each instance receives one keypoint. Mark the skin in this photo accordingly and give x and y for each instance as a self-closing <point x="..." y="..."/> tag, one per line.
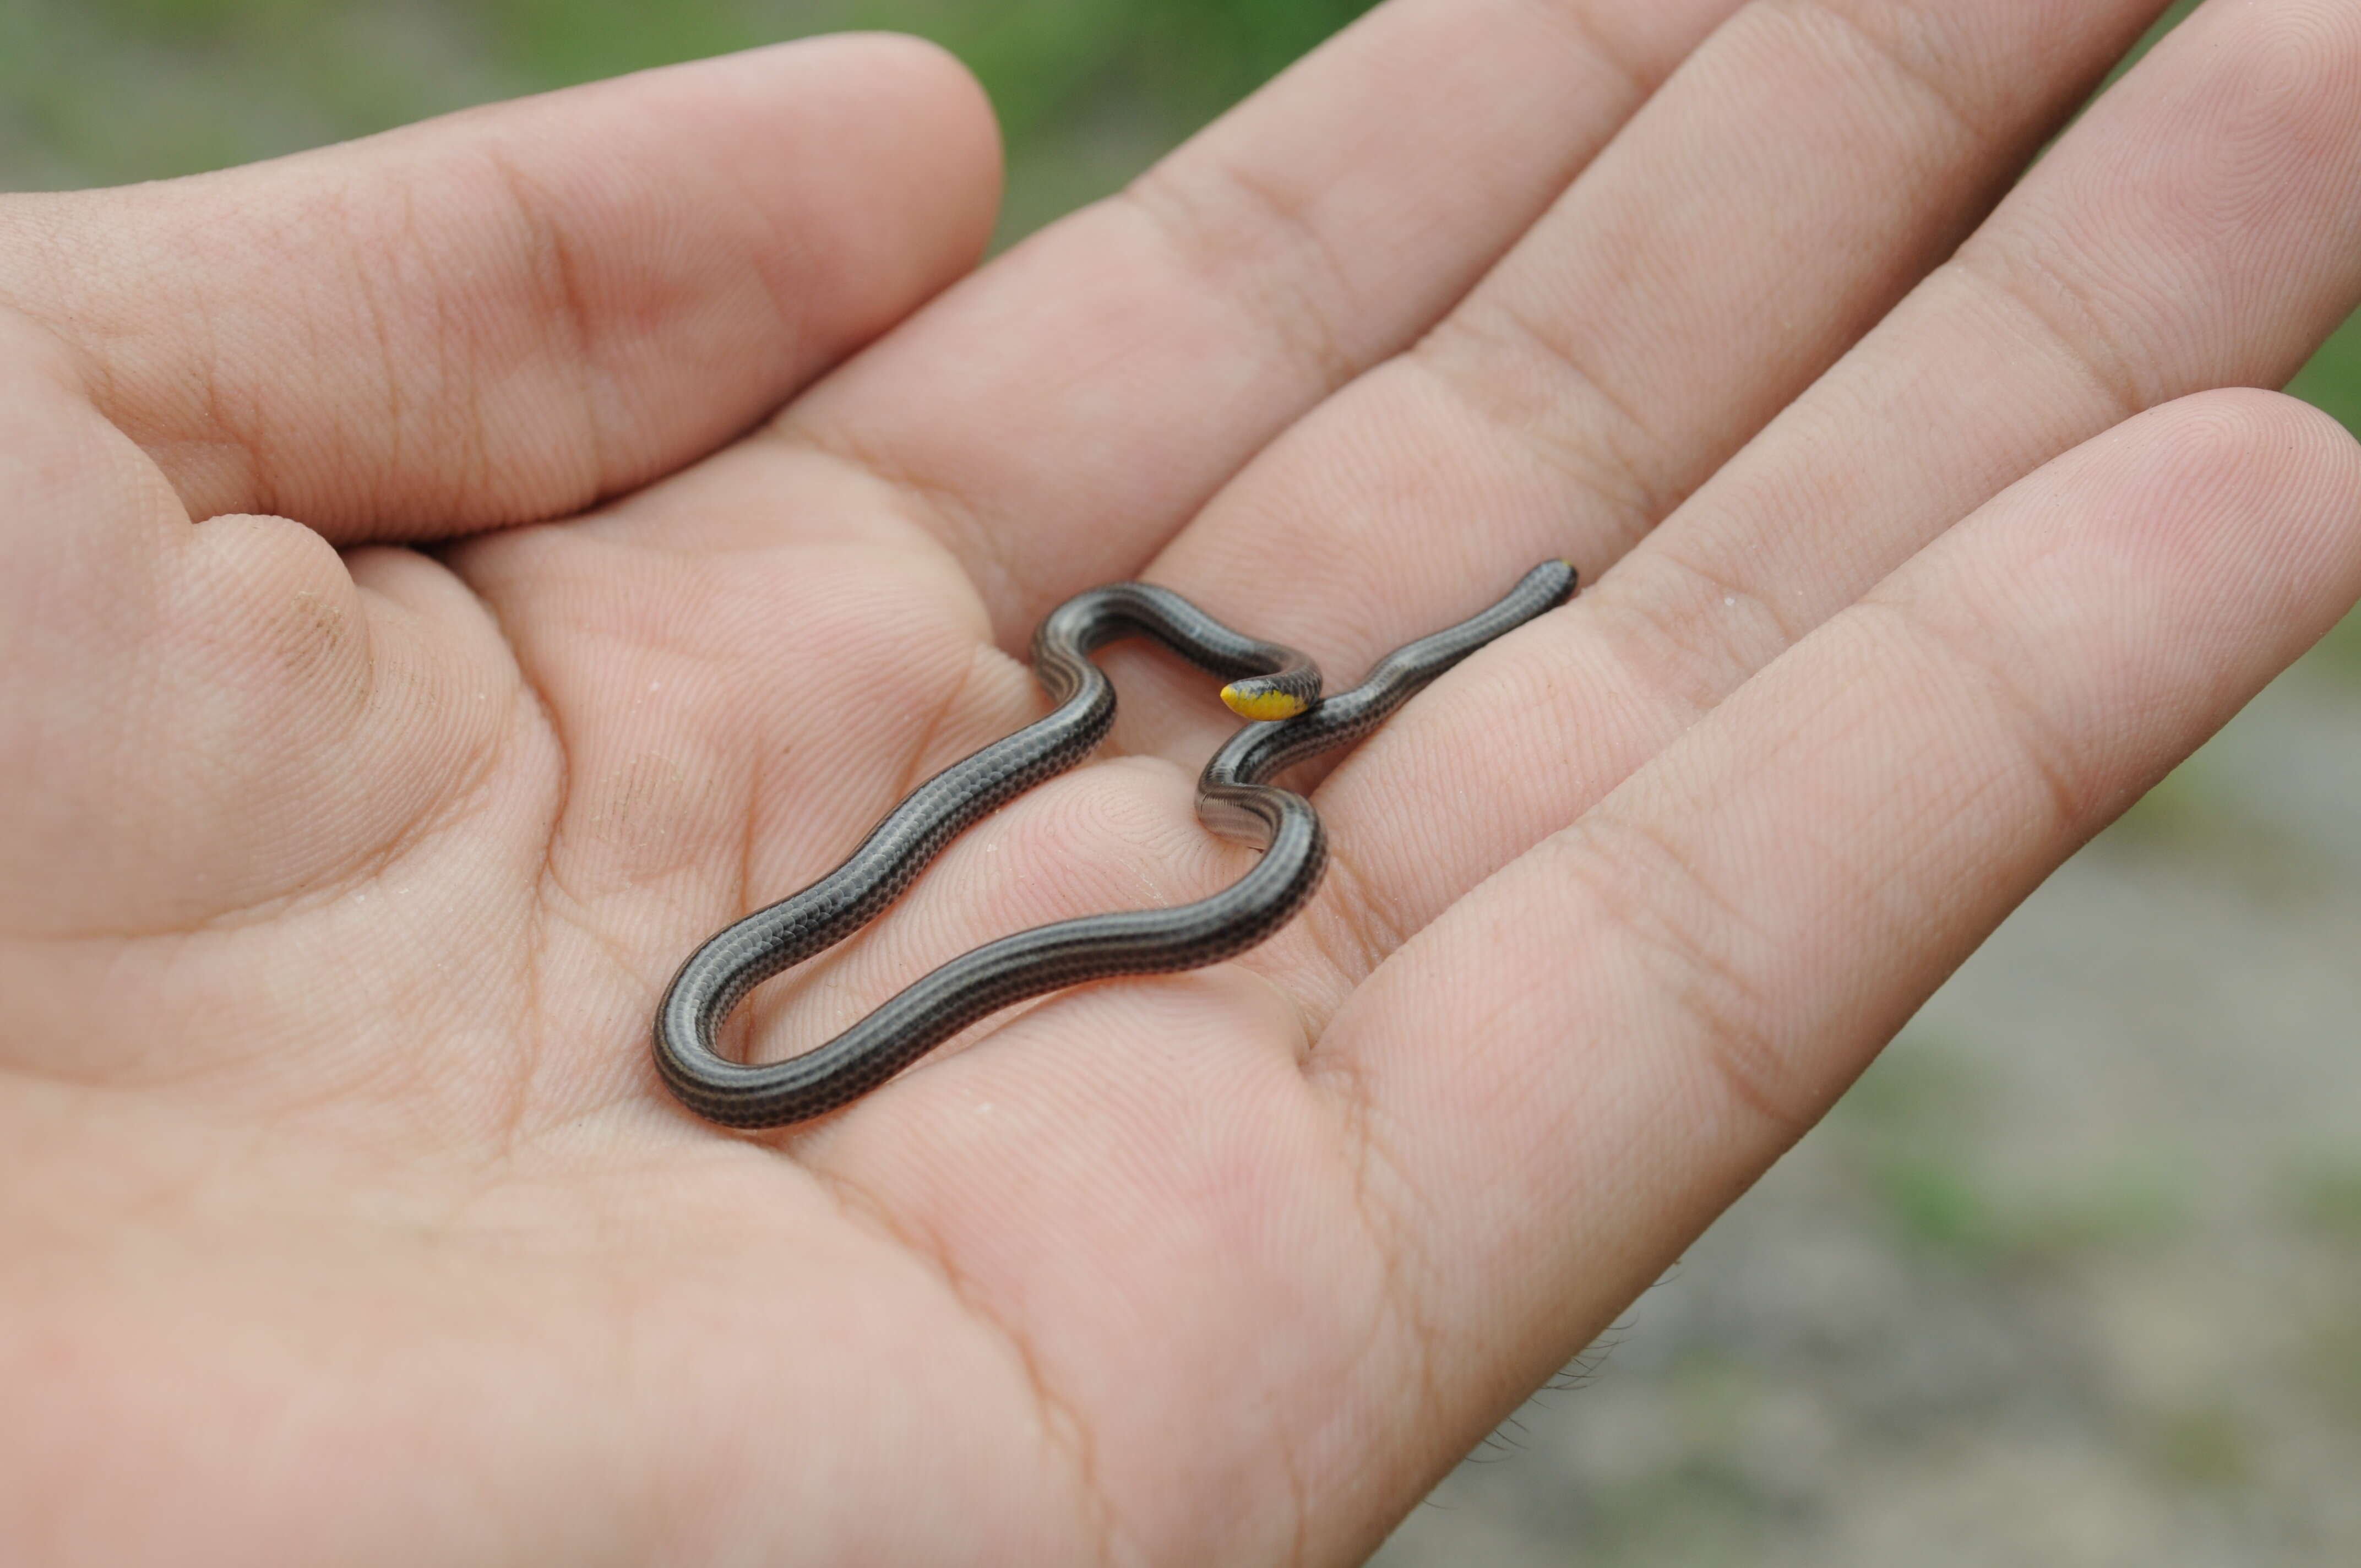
<point x="450" y="575"/>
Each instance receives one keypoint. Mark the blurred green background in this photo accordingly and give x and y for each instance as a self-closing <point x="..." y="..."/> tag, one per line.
<point x="1088" y="90"/>
<point x="2071" y="1277"/>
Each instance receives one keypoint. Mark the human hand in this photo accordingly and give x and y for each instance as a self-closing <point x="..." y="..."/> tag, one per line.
<point x="347" y="1221"/>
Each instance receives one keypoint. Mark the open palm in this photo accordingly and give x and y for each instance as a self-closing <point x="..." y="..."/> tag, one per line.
<point x="349" y="847"/>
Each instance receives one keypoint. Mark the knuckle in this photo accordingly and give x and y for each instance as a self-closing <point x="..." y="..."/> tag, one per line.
<point x="1258" y="243"/>
<point x="1687" y="934"/>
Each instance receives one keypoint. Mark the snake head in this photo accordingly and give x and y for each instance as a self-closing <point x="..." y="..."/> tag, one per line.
<point x="1262" y="698"/>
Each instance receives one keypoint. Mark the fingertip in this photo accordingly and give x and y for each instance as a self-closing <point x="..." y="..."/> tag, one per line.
<point x="2261" y="463"/>
<point x="916" y="127"/>
<point x="871" y="163"/>
<point x="2170" y="567"/>
<point x="2287" y="476"/>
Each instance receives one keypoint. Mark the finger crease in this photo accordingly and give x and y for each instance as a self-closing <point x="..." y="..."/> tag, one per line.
<point x="1593" y="40"/>
<point x="1686" y="645"/>
<point x="1352" y="911"/>
<point x="2046" y="296"/>
<point x="1613" y="857"/>
<point x="559" y="275"/>
<point x="1598" y="464"/>
<point x="1925" y="83"/>
<point x="2040" y="742"/>
<point x="1230" y="252"/>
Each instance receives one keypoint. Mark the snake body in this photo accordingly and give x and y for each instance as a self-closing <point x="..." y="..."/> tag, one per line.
<point x="1276" y="686"/>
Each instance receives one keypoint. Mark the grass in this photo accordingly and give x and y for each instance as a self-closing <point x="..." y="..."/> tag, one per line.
<point x="2326" y="1200"/>
<point x="1913" y="1132"/>
<point x="2206" y="1448"/>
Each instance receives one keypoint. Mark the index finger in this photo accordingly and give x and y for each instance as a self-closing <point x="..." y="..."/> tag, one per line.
<point x="1560" y="1082"/>
<point x="1055" y="419"/>
<point x="506" y="313"/>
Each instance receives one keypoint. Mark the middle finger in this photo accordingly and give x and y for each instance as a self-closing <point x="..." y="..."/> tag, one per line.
<point x="1807" y="166"/>
<point x="2200" y="227"/>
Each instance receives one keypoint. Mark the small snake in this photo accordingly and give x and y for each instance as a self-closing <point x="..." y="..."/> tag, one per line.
<point x="1276" y="686"/>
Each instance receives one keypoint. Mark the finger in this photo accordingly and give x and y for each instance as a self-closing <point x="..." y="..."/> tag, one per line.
<point x="2200" y="227"/>
<point x="507" y="313"/>
<point x="1565" y="1078"/>
<point x="1800" y="174"/>
<point x="1056" y="418"/>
